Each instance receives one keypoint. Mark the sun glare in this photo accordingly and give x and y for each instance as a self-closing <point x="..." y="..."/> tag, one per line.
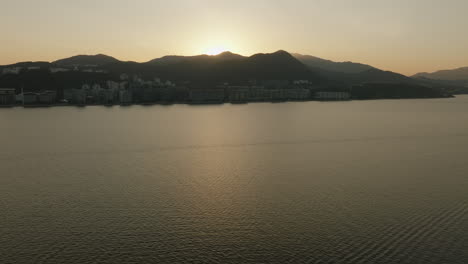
<point x="215" y="50"/>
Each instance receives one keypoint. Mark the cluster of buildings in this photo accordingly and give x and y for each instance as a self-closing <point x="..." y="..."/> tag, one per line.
<point x="108" y="94"/>
<point x="134" y="90"/>
<point x="243" y="94"/>
<point x="267" y="91"/>
<point x="330" y="95"/>
<point x="124" y="92"/>
<point x="41" y="98"/>
<point x="7" y="96"/>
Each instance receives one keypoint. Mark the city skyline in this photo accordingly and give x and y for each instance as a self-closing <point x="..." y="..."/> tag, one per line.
<point x="401" y="36"/>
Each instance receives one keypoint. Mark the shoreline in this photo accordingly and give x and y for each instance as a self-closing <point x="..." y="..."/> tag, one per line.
<point x="210" y="103"/>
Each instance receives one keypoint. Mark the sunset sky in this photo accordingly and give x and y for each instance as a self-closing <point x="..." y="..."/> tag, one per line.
<point x="406" y="36"/>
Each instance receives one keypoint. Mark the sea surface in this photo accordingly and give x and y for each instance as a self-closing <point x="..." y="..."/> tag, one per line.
<point x="382" y="181"/>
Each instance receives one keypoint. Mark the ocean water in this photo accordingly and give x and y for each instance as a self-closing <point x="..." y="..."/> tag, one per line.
<point x="382" y="181"/>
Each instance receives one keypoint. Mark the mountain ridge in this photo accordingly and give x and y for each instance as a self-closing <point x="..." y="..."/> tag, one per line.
<point x="96" y="60"/>
<point x="456" y="74"/>
<point x="277" y="69"/>
<point x="229" y="66"/>
<point x="345" y="67"/>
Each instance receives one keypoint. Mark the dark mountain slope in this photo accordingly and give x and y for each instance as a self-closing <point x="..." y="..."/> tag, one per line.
<point x="223" y="67"/>
<point x="451" y="75"/>
<point x="166" y="60"/>
<point x="328" y="65"/>
<point x="86" y="60"/>
<point x="26" y="64"/>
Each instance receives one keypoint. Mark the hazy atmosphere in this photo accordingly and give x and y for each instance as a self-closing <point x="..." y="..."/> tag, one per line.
<point x="401" y="36"/>
<point x="234" y="131"/>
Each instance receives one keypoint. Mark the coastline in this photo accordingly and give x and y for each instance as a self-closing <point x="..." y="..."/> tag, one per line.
<point x="213" y="103"/>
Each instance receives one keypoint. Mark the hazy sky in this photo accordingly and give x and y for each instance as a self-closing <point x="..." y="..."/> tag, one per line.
<point x="406" y="36"/>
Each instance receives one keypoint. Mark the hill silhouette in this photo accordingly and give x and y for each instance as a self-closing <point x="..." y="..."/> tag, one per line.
<point x="351" y="73"/>
<point x="25" y="64"/>
<point x="451" y="75"/>
<point x="211" y="70"/>
<point x="226" y="66"/>
<point x="166" y="60"/>
<point x="86" y="60"/>
<point x="328" y="65"/>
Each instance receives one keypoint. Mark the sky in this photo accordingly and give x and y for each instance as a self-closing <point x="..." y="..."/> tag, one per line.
<point x="405" y="36"/>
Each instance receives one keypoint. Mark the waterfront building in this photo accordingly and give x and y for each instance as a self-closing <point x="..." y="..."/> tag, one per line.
<point x="68" y="95"/>
<point x="19" y="98"/>
<point x="166" y="94"/>
<point x="116" y="85"/>
<point x="125" y="97"/>
<point x="109" y="96"/>
<point x="278" y="94"/>
<point x="95" y="94"/>
<point x="181" y="93"/>
<point x="75" y="96"/>
<point x="238" y="93"/>
<point x="79" y="96"/>
<point x="297" y="94"/>
<point x="30" y="98"/>
<point x="215" y="95"/>
<point x="47" y="97"/>
<point x="7" y="96"/>
<point x="325" y="95"/>
<point x="259" y="94"/>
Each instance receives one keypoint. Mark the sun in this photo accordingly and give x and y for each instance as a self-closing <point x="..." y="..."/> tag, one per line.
<point x="215" y="50"/>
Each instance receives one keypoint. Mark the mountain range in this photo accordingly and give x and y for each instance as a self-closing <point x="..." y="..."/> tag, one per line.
<point x="230" y="67"/>
<point x="85" y="60"/>
<point x="328" y="65"/>
<point x="460" y="74"/>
